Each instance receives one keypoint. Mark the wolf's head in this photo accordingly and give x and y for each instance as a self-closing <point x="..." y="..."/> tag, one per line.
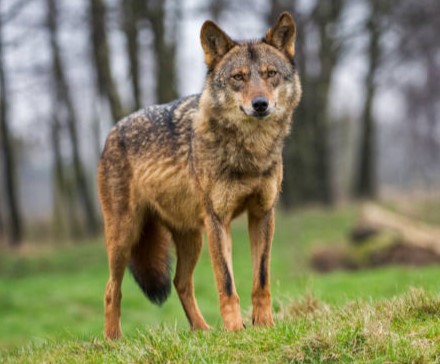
<point x="251" y="80"/>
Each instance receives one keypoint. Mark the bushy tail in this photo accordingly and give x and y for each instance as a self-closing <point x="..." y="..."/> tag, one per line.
<point x="150" y="262"/>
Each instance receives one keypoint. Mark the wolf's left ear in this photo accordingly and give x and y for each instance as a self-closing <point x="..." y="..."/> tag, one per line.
<point x="215" y="43"/>
<point x="282" y="35"/>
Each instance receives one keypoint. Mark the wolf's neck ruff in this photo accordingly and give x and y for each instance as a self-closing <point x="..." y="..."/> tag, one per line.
<point x="233" y="149"/>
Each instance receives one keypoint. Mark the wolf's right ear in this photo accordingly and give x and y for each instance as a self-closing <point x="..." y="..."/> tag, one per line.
<point x="215" y="43"/>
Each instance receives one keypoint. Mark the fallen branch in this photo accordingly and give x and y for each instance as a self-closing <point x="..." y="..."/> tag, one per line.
<point x="411" y="231"/>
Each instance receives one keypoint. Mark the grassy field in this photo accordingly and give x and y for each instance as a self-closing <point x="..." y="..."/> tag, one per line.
<point x="51" y="306"/>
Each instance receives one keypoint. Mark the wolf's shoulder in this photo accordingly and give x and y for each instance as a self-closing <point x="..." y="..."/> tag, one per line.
<point x="163" y="115"/>
<point x="172" y="111"/>
<point x="162" y="125"/>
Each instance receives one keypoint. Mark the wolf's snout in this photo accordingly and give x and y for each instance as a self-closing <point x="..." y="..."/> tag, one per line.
<point x="260" y="104"/>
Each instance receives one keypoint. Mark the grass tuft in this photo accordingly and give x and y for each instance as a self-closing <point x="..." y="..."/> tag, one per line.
<point x="393" y="330"/>
<point x="51" y="307"/>
<point x="307" y="331"/>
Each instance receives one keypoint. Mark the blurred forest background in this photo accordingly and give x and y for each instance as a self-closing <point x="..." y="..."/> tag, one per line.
<point x="368" y="126"/>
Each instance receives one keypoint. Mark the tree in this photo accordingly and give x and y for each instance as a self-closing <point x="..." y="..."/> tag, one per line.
<point x="15" y="230"/>
<point x="2" y="223"/>
<point x="417" y="48"/>
<point x="66" y="110"/>
<point x="64" y="205"/>
<point x="216" y="8"/>
<point x="101" y="58"/>
<point x="307" y="159"/>
<point x="130" y="17"/>
<point x="365" y="178"/>
<point x="164" y="50"/>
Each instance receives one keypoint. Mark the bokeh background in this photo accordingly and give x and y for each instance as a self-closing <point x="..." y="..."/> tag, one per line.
<point x="368" y="127"/>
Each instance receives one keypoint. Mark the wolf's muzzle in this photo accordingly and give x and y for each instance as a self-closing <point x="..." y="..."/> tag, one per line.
<point x="260" y="104"/>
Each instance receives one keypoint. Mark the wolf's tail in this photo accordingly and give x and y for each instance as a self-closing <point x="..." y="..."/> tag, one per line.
<point x="150" y="262"/>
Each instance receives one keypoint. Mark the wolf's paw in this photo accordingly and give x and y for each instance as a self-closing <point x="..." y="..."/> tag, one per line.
<point x="112" y="333"/>
<point x="112" y="326"/>
<point x="235" y="326"/>
<point x="200" y="326"/>
<point x="262" y="318"/>
<point x="233" y="322"/>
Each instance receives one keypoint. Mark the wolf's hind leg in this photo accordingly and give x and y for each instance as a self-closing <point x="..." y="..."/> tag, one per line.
<point x="119" y="240"/>
<point x="188" y="247"/>
<point x="261" y="229"/>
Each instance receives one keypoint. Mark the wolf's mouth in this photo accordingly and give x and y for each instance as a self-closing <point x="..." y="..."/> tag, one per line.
<point x="255" y="114"/>
<point x="260" y="115"/>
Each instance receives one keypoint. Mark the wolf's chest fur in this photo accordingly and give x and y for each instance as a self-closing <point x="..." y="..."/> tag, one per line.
<point x="177" y="160"/>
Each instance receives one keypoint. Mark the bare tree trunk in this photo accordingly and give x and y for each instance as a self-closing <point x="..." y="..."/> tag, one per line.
<point x="165" y="52"/>
<point x="327" y="12"/>
<point x="307" y="169"/>
<point x="276" y="8"/>
<point x="292" y="164"/>
<point x="216" y="7"/>
<point x="64" y="206"/>
<point x="11" y="186"/>
<point x="365" y="179"/>
<point x="64" y="100"/>
<point x="130" y="12"/>
<point x="96" y="127"/>
<point x="101" y="57"/>
<point x="2" y="223"/>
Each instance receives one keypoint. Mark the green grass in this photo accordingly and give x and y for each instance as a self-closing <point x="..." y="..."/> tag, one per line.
<point x="51" y="307"/>
<point x="401" y="330"/>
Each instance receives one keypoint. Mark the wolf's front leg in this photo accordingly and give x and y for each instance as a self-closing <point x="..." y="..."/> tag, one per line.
<point x="220" y="249"/>
<point x="261" y="229"/>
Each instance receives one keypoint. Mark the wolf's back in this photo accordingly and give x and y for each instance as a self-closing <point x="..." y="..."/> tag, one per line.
<point x="158" y="129"/>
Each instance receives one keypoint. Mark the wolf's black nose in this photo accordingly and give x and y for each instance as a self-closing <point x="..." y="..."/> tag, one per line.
<point x="260" y="104"/>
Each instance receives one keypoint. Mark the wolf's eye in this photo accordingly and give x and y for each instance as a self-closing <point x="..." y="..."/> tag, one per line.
<point x="271" y="73"/>
<point x="238" y="77"/>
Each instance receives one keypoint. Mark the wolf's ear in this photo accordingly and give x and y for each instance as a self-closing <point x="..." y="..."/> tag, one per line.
<point x="215" y="43"/>
<point x="282" y="35"/>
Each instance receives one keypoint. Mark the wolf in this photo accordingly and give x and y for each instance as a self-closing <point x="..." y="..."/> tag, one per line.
<point x="169" y="172"/>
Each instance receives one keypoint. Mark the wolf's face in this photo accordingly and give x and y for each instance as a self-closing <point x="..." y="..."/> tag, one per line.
<point x="253" y="80"/>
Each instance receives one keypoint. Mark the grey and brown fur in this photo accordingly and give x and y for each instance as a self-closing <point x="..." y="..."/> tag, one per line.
<point x="167" y="172"/>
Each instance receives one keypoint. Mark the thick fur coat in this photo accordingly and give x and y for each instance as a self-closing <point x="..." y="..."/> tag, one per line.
<point x="168" y="172"/>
